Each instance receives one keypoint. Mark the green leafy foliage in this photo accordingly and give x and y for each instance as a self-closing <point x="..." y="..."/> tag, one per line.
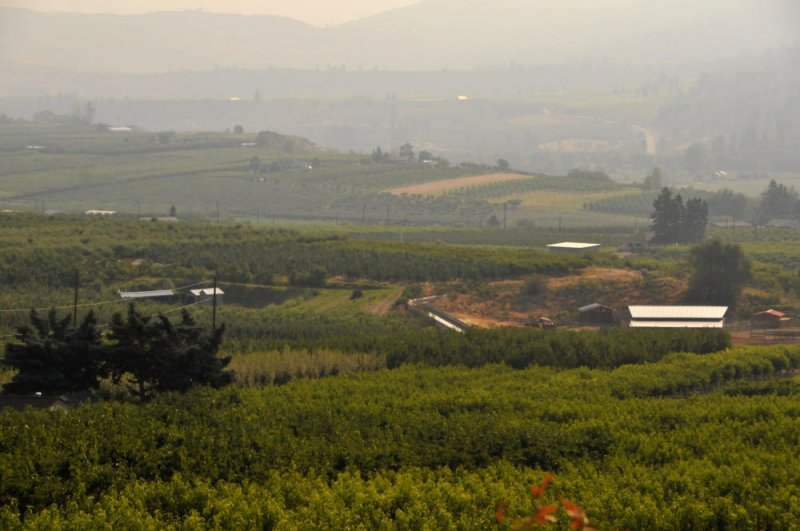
<point x="675" y="443"/>
<point x="719" y="270"/>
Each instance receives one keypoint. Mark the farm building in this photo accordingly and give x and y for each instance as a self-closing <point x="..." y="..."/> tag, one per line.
<point x="154" y="294"/>
<point x="206" y="295"/>
<point x="596" y="314"/>
<point x="770" y="319"/>
<point x="677" y="316"/>
<point x="573" y="247"/>
<point x="100" y="212"/>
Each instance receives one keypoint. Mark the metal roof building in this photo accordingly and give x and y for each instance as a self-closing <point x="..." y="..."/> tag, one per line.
<point x="206" y="292"/>
<point x="770" y="319"/>
<point x="207" y="295"/>
<point x="596" y="313"/>
<point x="573" y="247"/>
<point x="677" y="316"/>
<point x="146" y="294"/>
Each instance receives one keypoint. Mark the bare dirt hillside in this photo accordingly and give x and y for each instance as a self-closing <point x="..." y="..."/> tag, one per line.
<point x="510" y="303"/>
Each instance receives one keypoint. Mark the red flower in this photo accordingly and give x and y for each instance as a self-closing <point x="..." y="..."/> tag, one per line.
<point x="538" y="491"/>
<point x="544" y="514"/>
<point x="576" y="515"/>
<point x="500" y="512"/>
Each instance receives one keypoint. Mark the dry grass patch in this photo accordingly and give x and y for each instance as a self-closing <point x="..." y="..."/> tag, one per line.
<point x="596" y="273"/>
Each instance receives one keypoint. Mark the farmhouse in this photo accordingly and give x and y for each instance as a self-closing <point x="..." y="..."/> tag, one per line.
<point x="677" y="316"/>
<point x="770" y="319"/>
<point x="573" y="247"/>
<point x="596" y="314"/>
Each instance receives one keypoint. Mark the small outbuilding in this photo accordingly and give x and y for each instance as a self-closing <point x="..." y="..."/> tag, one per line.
<point x="542" y="322"/>
<point x="596" y="314"/>
<point x="573" y="247"/>
<point x="207" y="295"/>
<point x="770" y="319"/>
<point x="677" y="316"/>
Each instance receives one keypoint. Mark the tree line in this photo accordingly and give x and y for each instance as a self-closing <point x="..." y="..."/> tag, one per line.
<point x="149" y="355"/>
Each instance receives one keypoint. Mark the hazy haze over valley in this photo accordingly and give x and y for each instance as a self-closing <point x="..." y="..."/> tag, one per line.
<point x="550" y="84"/>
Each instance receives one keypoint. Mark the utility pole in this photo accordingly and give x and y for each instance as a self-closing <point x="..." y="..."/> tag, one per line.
<point x="75" y="300"/>
<point x="559" y="223"/>
<point x="388" y="212"/>
<point x="364" y="213"/>
<point x="214" y="308"/>
<point x="217" y="211"/>
<point x="505" y="207"/>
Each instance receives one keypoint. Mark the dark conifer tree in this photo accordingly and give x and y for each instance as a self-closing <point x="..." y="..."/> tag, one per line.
<point x="51" y="356"/>
<point x="159" y="356"/>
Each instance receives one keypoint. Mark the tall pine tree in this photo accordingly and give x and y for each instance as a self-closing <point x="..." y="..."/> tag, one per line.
<point x="675" y="223"/>
<point x="156" y="355"/>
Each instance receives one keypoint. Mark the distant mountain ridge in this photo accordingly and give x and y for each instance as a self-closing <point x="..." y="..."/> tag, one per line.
<point x="430" y="35"/>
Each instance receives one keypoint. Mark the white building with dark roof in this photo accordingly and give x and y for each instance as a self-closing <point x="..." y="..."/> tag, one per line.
<point x="207" y="294"/>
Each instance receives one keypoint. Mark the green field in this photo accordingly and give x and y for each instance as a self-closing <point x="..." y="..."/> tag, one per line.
<point x="689" y="442"/>
<point x="348" y="410"/>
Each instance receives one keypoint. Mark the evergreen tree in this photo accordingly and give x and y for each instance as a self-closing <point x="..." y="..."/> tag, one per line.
<point x="777" y="202"/>
<point x="54" y="357"/>
<point x="696" y="220"/>
<point x="134" y="352"/>
<point x="158" y="356"/>
<point x="668" y="217"/>
<point x="675" y="223"/>
<point x="654" y="179"/>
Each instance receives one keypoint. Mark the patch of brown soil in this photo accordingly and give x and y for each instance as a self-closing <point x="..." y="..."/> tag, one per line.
<point x="449" y="184"/>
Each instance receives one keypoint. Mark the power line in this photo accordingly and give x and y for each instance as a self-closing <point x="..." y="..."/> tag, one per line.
<point x="172" y="310"/>
<point x="68" y="306"/>
<point x="91" y="304"/>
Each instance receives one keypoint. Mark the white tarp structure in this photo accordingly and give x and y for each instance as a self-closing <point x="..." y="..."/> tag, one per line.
<point x="677" y="316"/>
<point x="146" y="294"/>
<point x="573" y="247"/>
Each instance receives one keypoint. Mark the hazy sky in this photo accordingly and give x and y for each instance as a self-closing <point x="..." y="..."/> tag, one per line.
<point x="317" y="12"/>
